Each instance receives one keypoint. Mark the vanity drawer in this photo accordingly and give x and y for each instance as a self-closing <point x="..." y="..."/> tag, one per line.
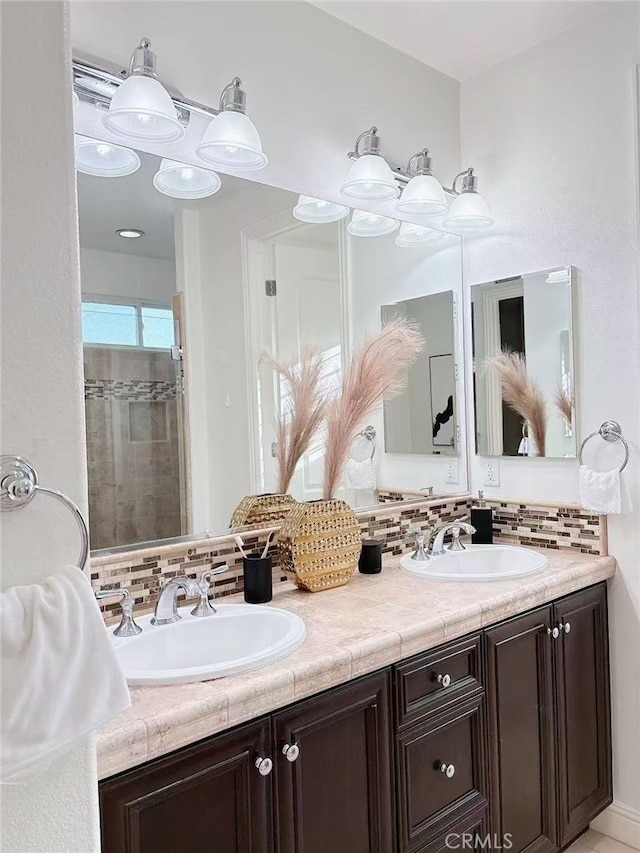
<point x="441" y="774"/>
<point x="432" y="681"/>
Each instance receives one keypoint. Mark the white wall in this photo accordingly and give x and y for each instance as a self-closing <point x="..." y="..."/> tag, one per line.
<point x="313" y="83"/>
<point x="552" y="135"/>
<point x="42" y="393"/>
<point x="127" y="276"/>
<point x="381" y="274"/>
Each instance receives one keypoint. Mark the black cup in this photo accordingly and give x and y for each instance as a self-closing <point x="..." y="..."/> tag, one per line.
<point x="370" y="562"/>
<point x="258" y="578"/>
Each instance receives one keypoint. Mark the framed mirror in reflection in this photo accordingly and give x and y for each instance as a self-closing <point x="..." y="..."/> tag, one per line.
<point x="523" y="355"/>
<point x="181" y="297"/>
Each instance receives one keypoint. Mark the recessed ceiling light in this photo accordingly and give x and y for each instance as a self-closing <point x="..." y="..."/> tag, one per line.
<point x="130" y="233"/>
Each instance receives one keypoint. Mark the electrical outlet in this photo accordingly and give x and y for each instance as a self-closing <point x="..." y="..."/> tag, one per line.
<point x="452" y="472"/>
<point x="492" y="473"/>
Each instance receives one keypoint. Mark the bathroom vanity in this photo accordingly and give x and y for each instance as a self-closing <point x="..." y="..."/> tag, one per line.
<point x="503" y="730"/>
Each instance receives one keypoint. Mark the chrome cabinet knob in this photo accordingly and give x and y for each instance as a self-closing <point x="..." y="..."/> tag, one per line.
<point x="264" y="766"/>
<point x="444" y="680"/>
<point x="291" y="751"/>
<point x="565" y="626"/>
<point x="553" y="632"/>
<point x="449" y="770"/>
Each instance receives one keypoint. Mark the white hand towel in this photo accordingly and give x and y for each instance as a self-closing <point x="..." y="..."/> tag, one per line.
<point x="360" y="475"/>
<point x="60" y="676"/>
<point x="600" y="491"/>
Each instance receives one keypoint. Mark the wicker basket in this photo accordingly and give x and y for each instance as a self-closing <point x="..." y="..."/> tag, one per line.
<point x="319" y="544"/>
<point x="262" y="510"/>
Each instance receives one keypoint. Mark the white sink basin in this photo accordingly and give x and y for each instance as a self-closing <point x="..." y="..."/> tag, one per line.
<point x="478" y="563"/>
<point x="239" y="637"/>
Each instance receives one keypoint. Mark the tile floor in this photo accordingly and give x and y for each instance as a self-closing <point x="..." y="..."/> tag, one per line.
<point x="595" y="842"/>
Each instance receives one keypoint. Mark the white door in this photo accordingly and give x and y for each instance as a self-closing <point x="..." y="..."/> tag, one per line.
<point x="306" y="311"/>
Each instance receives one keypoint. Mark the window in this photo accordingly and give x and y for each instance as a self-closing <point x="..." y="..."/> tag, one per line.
<point x="127" y="324"/>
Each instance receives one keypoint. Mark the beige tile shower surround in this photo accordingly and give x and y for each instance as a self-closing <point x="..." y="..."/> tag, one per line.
<point x="368" y="624"/>
<point x="540" y="525"/>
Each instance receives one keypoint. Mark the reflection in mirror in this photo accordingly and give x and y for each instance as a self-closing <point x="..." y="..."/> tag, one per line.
<point x="181" y="297"/>
<point x="422" y="419"/>
<point x="524" y="382"/>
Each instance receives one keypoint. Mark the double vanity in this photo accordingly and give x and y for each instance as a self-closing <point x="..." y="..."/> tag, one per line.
<point x="415" y="712"/>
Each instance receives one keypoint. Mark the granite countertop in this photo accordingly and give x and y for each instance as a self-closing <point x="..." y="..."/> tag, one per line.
<point x="373" y="621"/>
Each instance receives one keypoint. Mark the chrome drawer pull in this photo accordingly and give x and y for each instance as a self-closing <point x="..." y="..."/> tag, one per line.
<point x="553" y="632"/>
<point x="565" y="626"/>
<point x="264" y="766"/>
<point x="291" y="752"/>
<point x="444" y="680"/>
<point x="449" y="770"/>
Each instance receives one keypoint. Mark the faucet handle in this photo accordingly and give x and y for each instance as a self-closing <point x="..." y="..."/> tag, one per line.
<point x="127" y="626"/>
<point x="204" y="606"/>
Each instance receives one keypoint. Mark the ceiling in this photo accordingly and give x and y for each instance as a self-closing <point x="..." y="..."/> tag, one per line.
<point x="462" y="38"/>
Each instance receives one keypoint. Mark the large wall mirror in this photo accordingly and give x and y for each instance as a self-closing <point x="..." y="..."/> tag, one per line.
<point x="523" y="355"/>
<point x="179" y="300"/>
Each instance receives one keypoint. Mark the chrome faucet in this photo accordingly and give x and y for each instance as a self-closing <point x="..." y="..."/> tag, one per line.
<point x="127" y="626"/>
<point x="166" y="610"/>
<point x="436" y="544"/>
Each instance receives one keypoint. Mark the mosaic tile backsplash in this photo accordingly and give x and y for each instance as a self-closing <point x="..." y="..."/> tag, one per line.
<point x="144" y="570"/>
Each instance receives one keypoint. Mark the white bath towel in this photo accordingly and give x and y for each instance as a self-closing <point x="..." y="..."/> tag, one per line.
<point x="600" y="491"/>
<point x="60" y="676"/>
<point x="360" y="475"/>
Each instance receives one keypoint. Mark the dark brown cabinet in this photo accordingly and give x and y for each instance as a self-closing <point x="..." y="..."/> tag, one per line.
<point x="208" y="796"/>
<point x="334" y="791"/>
<point x="521" y="732"/>
<point x="549" y="721"/>
<point x="498" y="740"/>
<point x="582" y="678"/>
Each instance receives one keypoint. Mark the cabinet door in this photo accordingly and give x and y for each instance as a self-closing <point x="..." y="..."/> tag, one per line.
<point x="210" y="796"/>
<point x="336" y="794"/>
<point x="582" y="678"/>
<point x="521" y="732"/>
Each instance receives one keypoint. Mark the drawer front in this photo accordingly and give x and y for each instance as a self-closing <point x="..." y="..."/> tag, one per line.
<point x="441" y="773"/>
<point x="431" y="682"/>
<point x="469" y="835"/>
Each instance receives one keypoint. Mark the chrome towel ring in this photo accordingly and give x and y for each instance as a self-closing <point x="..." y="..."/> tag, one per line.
<point x="369" y="432"/>
<point x="609" y="431"/>
<point x="19" y="485"/>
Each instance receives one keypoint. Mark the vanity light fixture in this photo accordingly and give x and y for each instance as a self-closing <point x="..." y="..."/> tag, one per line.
<point x="423" y="195"/>
<point x="141" y="108"/>
<point x="468" y="211"/>
<point x="232" y="139"/>
<point x="365" y="224"/>
<point x="370" y="177"/>
<point x="318" y="211"/>
<point x="180" y="180"/>
<point x="104" y="159"/>
<point x="417" y="236"/>
<point x="130" y="233"/>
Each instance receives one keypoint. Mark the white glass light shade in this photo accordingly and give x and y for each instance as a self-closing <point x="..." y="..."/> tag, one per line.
<point x="142" y="109"/>
<point x="179" y="180"/>
<point x="370" y="177"/>
<point x="104" y="159"/>
<point x="412" y="235"/>
<point x="317" y="210"/>
<point x="468" y="212"/>
<point x="423" y="195"/>
<point x="232" y="141"/>
<point x="365" y="224"/>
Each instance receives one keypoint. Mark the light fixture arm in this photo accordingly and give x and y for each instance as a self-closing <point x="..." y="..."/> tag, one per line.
<point x="419" y="164"/>
<point x="367" y="143"/>
<point x="233" y="97"/>
<point x="469" y="182"/>
<point x="144" y="61"/>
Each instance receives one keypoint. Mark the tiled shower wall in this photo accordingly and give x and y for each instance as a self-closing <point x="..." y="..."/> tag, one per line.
<point x="133" y="451"/>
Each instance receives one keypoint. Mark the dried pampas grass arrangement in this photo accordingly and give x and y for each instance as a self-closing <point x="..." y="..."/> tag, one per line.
<point x="564" y="403"/>
<point x="300" y="418"/>
<point x="377" y="370"/>
<point x="523" y="394"/>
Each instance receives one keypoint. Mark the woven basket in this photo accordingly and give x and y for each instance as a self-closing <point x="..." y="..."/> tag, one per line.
<point x="319" y="544"/>
<point x="262" y="510"/>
